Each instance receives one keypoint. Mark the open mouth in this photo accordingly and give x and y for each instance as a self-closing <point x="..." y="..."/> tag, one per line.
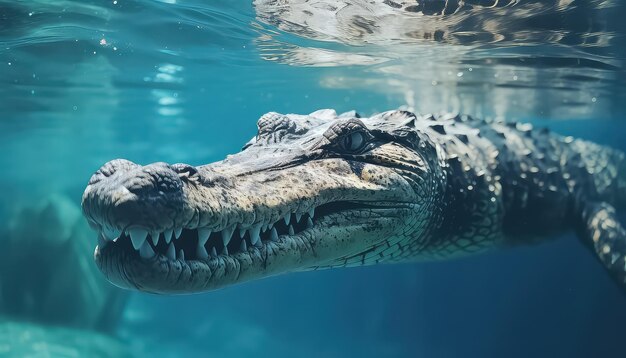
<point x="204" y="244"/>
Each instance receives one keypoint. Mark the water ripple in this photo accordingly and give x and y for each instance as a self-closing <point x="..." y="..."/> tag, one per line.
<point x="572" y="49"/>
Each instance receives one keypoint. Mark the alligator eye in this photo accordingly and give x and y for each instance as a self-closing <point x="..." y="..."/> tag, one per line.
<point x="354" y="141"/>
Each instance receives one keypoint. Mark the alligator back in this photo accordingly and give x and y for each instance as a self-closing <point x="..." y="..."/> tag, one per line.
<point x="509" y="182"/>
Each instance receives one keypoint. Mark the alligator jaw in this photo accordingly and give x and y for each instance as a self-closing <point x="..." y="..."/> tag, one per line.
<point x="162" y="231"/>
<point x="317" y="240"/>
<point x="307" y="192"/>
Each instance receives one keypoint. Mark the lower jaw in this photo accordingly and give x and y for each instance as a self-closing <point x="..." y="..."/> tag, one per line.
<point x="161" y="275"/>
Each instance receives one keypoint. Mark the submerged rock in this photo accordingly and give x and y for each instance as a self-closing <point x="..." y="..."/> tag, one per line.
<point x="22" y="339"/>
<point x="52" y="297"/>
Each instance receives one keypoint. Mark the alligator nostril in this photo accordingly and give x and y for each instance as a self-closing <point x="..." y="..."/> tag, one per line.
<point x="153" y="180"/>
<point x="111" y="168"/>
<point x="117" y="165"/>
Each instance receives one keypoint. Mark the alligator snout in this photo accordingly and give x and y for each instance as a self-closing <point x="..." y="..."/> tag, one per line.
<point x="122" y="193"/>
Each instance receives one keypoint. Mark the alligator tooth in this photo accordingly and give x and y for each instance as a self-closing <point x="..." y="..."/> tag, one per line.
<point x="155" y="238"/>
<point x="254" y="233"/>
<point x="242" y="232"/>
<point x="287" y="218"/>
<point x="227" y="234"/>
<point x="201" y="252"/>
<point x="181" y="255"/>
<point x="311" y="213"/>
<point x="225" y="251"/>
<point x="137" y="236"/>
<point x="244" y="246"/>
<point x="309" y="223"/>
<point x="203" y="235"/>
<point x="263" y="228"/>
<point x="213" y="252"/>
<point x="270" y="226"/>
<point x="146" y="251"/>
<point x="291" y="232"/>
<point x="274" y="235"/>
<point x="111" y="233"/>
<point x="177" y="232"/>
<point x="171" y="252"/>
<point x="167" y="234"/>
<point x="298" y="216"/>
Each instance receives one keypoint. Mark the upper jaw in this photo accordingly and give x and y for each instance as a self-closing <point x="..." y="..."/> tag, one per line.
<point x="205" y="242"/>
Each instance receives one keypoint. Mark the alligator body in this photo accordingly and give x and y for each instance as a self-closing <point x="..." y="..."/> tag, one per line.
<point x="326" y="190"/>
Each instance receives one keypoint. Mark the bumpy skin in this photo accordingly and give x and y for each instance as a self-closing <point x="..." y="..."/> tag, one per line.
<point x="395" y="187"/>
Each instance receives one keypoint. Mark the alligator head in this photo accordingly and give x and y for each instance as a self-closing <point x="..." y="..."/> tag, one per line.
<point x="307" y="192"/>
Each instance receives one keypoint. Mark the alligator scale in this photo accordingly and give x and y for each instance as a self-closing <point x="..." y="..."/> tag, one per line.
<point x="326" y="190"/>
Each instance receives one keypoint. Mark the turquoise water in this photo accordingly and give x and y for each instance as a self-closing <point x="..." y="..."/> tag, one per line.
<point x="83" y="82"/>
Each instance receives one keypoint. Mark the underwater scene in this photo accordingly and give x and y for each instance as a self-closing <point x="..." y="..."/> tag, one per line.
<point x="312" y="178"/>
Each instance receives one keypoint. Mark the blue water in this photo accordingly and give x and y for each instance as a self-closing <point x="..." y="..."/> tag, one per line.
<point x="83" y="82"/>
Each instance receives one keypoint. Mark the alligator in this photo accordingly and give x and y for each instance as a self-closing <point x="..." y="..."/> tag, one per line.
<point x="325" y="190"/>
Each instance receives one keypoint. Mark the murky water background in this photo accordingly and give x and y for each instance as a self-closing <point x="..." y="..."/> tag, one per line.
<point x="83" y="82"/>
